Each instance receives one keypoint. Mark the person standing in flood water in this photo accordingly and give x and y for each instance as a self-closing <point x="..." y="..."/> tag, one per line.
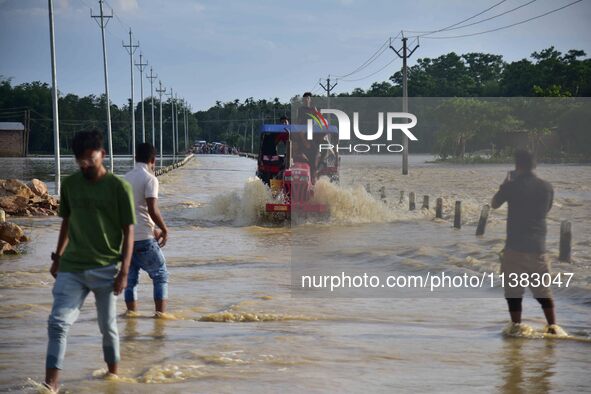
<point x="96" y="234"/>
<point x="529" y="199"/>
<point x="147" y="253"/>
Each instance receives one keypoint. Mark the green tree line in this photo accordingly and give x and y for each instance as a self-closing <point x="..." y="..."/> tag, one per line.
<point x="77" y="113"/>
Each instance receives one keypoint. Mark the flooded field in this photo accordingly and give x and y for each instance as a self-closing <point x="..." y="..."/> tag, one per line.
<point x="236" y="325"/>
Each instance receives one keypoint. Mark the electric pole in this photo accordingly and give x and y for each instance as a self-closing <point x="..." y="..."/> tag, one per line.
<point x="141" y="67"/>
<point x="131" y="47"/>
<point x="185" y="125"/>
<point x="172" y="123"/>
<point x="152" y="77"/>
<point x="160" y="90"/>
<point x="188" y="113"/>
<point x="328" y="88"/>
<point x="176" y="121"/>
<point x="54" y="102"/>
<point x="404" y="56"/>
<point x="102" y="21"/>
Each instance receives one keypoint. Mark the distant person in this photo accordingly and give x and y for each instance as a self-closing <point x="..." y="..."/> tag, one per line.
<point x="529" y="199"/>
<point x="284" y="120"/>
<point x="96" y="234"/>
<point x="305" y="109"/>
<point x="147" y="253"/>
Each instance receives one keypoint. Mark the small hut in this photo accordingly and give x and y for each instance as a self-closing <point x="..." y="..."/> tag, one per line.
<point x="12" y="139"/>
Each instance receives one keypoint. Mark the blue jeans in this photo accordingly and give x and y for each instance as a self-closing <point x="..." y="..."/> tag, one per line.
<point x="147" y="256"/>
<point x="69" y="292"/>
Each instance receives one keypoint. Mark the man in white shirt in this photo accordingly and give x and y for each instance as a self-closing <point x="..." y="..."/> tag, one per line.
<point x="147" y="254"/>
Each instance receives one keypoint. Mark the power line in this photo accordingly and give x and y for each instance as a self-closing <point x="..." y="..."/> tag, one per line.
<point x="372" y="74"/>
<point x="489" y="18"/>
<point x="315" y="87"/>
<point x="460" y="22"/>
<point x="508" y="26"/>
<point x="124" y="25"/>
<point x="371" y="59"/>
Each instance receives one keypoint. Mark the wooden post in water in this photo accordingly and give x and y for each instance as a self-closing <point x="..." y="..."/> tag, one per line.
<point x="439" y="208"/>
<point x="411" y="201"/>
<point x="483" y="218"/>
<point x="401" y="197"/>
<point x="383" y="193"/>
<point x="458" y="215"/>
<point x="425" y="202"/>
<point x="565" y="241"/>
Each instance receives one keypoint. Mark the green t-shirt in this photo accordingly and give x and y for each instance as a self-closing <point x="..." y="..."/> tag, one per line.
<point x="97" y="213"/>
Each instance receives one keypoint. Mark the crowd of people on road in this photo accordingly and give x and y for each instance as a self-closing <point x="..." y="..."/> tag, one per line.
<point x="217" y="148"/>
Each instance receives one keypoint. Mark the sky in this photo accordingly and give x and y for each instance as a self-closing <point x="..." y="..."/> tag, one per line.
<point x="230" y="49"/>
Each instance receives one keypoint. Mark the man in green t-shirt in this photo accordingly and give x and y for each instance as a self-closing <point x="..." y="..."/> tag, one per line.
<point x="96" y="234"/>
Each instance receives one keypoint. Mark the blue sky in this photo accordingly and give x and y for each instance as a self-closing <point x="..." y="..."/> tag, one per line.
<point x="223" y="50"/>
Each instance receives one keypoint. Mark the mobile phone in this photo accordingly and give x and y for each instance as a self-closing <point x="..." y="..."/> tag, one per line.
<point x="510" y="176"/>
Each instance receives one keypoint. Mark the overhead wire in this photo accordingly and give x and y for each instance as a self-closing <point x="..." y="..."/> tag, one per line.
<point x="462" y="21"/>
<point x="507" y="26"/>
<point x="487" y="19"/>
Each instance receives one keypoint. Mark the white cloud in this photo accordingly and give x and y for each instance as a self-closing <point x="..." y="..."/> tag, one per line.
<point x="125" y="5"/>
<point x="199" y="8"/>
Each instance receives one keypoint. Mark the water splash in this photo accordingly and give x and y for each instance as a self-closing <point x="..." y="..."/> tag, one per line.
<point x="170" y="373"/>
<point x="554" y="331"/>
<point x="106" y="375"/>
<point x="242" y="209"/>
<point x="247" y="317"/>
<point x="354" y="205"/>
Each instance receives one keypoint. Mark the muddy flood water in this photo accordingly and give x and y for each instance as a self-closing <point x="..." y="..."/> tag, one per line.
<point x="237" y="326"/>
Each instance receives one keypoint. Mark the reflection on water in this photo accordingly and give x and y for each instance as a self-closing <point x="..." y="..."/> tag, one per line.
<point x="238" y="328"/>
<point x="527" y="366"/>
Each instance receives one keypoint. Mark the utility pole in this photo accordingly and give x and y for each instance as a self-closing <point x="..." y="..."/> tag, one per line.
<point x="160" y="90"/>
<point x="54" y="101"/>
<point x="404" y="56"/>
<point x="188" y="113"/>
<point x="189" y="110"/>
<point x="141" y="67"/>
<point x="131" y="47"/>
<point x="251" y="135"/>
<point x="176" y="121"/>
<point x="328" y="88"/>
<point x="172" y="123"/>
<point x="152" y="77"/>
<point x="185" y="124"/>
<point x="102" y="21"/>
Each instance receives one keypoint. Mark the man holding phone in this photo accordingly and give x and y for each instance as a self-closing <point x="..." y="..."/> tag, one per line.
<point x="529" y="199"/>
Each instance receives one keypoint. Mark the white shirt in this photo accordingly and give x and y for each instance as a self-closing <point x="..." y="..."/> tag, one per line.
<point x="145" y="185"/>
